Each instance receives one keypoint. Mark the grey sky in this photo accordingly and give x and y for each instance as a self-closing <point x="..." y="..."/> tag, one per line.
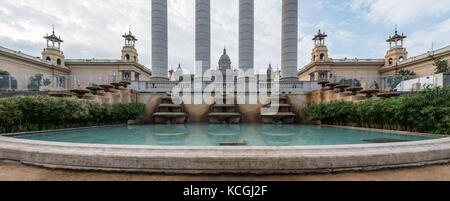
<point x="93" y="29"/>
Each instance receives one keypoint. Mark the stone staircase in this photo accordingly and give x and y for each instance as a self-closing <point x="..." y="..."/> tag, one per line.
<point x="278" y="111"/>
<point x="170" y="111"/>
<point x="224" y="111"/>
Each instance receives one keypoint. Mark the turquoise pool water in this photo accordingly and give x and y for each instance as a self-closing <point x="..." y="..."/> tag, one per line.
<point x="215" y="135"/>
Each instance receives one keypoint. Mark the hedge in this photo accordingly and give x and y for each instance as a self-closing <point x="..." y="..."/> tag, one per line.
<point x="34" y="113"/>
<point x="428" y="112"/>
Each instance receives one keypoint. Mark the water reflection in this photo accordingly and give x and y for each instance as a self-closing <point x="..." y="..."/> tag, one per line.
<point x="224" y="133"/>
<point x="279" y="135"/>
<point x="169" y="134"/>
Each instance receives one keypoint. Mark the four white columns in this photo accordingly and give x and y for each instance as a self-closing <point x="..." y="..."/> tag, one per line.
<point x="246" y="37"/>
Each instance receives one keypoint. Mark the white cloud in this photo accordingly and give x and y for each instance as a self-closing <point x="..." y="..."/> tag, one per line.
<point x="400" y="11"/>
<point x="94" y="28"/>
<point x="420" y="41"/>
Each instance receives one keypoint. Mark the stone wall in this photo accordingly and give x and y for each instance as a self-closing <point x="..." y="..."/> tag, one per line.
<point x="114" y="97"/>
<point x="198" y="112"/>
<point x="327" y="96"/>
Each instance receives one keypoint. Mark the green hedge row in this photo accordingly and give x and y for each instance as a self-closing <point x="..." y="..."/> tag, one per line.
<point x="428" y="111"/>
<point x="33" y="113"/>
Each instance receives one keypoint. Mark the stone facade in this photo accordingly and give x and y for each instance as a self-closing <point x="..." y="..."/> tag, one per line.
<point x="65" y="74"/>
<point x="368" y="72"/>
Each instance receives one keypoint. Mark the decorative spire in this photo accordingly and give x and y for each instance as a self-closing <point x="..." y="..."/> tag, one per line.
<point x="396" y="29"/>
<point x="53" y="29"/>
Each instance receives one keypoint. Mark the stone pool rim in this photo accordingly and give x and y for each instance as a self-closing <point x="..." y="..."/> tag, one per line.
<point x="218" y="160"/>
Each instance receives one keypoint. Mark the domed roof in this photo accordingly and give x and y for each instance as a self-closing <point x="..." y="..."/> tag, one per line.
<point x="224" y="61"/>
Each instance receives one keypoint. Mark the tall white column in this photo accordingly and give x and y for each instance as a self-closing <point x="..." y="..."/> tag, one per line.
<point x="289" y="42"/>
<point x="202" y="36"/>
<point x="246" y="35"/>
<point x="159" y="39"/>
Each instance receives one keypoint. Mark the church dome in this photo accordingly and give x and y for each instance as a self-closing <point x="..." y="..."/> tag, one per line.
<point x="224" y="61"/>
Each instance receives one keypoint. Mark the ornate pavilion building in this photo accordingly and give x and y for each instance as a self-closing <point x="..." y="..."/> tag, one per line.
<point x="369" y="73"/>
<point x="66" y="73"/>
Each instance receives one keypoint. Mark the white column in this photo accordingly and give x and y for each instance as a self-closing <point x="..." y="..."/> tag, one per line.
<point x="202" y="36"/>
<point x="246" y="35"/>
<point x="289" y="39"/>
<point x="159" y="39"/>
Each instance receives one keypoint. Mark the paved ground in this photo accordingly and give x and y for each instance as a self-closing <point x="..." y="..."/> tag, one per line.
<point x="18" y="172"/>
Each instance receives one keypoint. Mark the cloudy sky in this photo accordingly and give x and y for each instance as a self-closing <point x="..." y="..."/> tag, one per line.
<point x="93" y="29"/>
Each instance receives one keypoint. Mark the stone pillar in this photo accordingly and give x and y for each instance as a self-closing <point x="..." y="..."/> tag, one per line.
<point x="289" y="46"/>
<point x="246" y="35"/>
<point x="159" y="39"/>
<point x="202" y="35"/>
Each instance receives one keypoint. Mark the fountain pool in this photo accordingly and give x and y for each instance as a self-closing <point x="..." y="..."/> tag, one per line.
<point x="217" y="135"/>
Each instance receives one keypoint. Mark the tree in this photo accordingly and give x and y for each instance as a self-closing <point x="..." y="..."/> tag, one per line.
<point x="5" y="81"/>
<point x="407" y="74"/>
<point x="441" y="65"/>
<point x="37" y="81"/>
<point x="402" y="76"/>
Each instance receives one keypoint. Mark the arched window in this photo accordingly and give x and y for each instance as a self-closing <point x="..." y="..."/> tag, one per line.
<point x="322" y="57"/>
<point x="400" y="59"/>
<point x="127" y="57"/>
<point x="48" y="59"/>
<point x="390" y="62"/>
<point x="58" y="62"/>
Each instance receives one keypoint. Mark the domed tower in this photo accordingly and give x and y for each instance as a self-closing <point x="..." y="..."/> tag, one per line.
<point x="396" y="52"/>
<point x="224" y="61"/>
<point x="53" y="51"/>
<point x="320" y="51"/>
<point x="129" y="52"/>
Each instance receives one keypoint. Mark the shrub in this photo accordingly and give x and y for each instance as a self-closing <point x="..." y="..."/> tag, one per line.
<point x="427" y="112"/>
<point x="44" y="112"/>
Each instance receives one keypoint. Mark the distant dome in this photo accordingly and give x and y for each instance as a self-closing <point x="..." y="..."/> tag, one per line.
<point x="224" y="61"/>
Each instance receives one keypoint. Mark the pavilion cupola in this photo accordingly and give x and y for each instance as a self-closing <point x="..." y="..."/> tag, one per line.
<point x="52" y="53"/>
<point x="53" y="41"/>
<point x="130" y="39"/>
<point x="396" y="53"/>
<point x="319" y="38"/>
<point x="396" y="40"/>
<point x="129" y="52"/>
<point x="320" y="51"/>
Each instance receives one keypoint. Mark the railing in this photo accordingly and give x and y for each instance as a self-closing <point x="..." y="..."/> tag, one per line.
<point x="52" y="82"/>
<point x="423" y="56"/>
<point x="93" y="60"/>
<point x="66" y="83"/>
<point x="390" y="83"/>
<point x="20" y="54"/>
<point x="357" y="60"/>
<point x="290" y="86"/>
